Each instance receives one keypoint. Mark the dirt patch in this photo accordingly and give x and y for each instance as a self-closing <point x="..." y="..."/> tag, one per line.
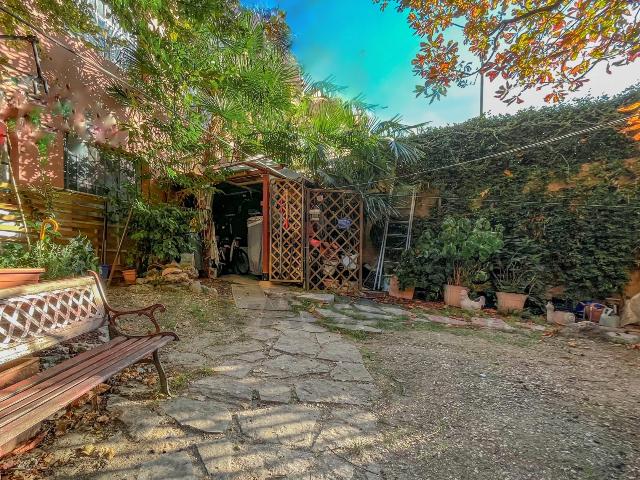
<point x="486" y="405"/>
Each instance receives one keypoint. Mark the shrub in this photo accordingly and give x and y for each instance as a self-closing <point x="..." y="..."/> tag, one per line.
<point x="160" y="232"/>
<point x="59" y="260"/>
<point x="570" y="207"/>
<point x="458" y="254"/>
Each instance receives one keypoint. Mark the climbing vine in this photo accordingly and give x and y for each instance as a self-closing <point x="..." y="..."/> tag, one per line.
<point x="573" y="206"/>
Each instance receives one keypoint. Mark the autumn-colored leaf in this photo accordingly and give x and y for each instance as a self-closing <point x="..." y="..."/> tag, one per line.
<point x="629" y="108"/>
<point x="492" y="75"/>
<point x="88" y="449"/>
<point x="537" y="44"/>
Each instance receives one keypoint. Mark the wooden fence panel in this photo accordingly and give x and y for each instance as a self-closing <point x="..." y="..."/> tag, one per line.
<point x="334" y="243"/>
<point x="75" y="212"/>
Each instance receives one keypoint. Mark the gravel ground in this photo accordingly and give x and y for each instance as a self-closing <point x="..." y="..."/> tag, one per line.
<point x="461" y="404"/>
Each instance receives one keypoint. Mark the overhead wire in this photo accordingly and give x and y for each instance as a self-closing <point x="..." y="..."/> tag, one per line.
<point x="567" y="203"/>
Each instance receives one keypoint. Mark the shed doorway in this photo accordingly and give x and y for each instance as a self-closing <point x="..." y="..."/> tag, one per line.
<point x="237" y="219"/>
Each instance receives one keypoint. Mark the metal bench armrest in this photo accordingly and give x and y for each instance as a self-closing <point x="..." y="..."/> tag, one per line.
<point x="148" y="312"/>
<point x="114" y="314"/>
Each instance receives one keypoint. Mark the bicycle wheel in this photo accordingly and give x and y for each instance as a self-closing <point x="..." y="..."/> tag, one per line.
<point x="241" y="262"/>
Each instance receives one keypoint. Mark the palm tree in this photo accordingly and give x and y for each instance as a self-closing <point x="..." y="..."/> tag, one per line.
<point x="341" y="144"/>
<point x="212" y="85"/>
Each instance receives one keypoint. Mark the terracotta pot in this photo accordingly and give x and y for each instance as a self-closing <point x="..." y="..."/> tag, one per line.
<point x="452" y="294"/>
<point x="129" y="276"/>
<point x="14" y="277"/>
<point x="394" y="290"/>
<point x="511" y="302"/>
<point x="593" y="312"/>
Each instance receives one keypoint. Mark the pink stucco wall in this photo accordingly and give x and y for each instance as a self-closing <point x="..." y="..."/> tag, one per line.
<point x="69" y="78"/>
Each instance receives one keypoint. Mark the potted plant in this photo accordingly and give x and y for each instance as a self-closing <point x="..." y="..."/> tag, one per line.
<point x="513" y="283"/>
<point x="50" y="260"/>
<point x="395" y="290"/>
<point x="516" y="273"/>
<point x="421" y="267"/>
<point x="129" y="273"/>
<point x="14" y="268"/>
<point x="14" y="277"/>
<point x="466" y="248"/>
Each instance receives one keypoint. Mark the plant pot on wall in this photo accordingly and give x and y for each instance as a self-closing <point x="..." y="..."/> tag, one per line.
<point x="14" y="277"/>
<point x="394" y="290"/>
<point x="129" y="276"/>
<point x="511" y="302"/>
<point x="453" y="294"/>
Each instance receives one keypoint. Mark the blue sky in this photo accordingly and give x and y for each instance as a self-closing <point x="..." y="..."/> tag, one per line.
<point x="370" y="53"/>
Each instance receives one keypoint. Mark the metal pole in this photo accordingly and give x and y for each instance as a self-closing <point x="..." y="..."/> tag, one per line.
<point x="36" y="57"/>
<point x="481" y="95"/>
<point x="481" y="87"/>
<point x="124" y="233"/>
<point x="16" y="191"/>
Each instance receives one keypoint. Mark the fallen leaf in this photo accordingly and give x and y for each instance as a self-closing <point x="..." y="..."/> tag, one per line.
<point x="30" y="445"/>
<point x="107" y="453"/>
<point x="61" y="427"/>
<point x="88" y="449"/>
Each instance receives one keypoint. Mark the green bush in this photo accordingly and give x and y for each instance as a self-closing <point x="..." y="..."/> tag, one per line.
<point x="570" y="208"/>
<point x="59" y="260"/>
<point x="423" y="267"/>
<point x="517" y="268"/>
<point x="458" y="254"/>
<point x="160" y="233"/>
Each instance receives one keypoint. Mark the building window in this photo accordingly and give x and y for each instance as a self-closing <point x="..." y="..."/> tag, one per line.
<point x="113" y="43"/>
<point x="83" y="168"/>
<point x="99" y="172"/>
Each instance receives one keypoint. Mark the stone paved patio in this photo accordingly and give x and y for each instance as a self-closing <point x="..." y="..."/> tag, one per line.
<point x="286" y="399"/>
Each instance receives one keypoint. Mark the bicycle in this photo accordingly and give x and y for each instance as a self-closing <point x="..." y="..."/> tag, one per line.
<point x="231" y="258"/>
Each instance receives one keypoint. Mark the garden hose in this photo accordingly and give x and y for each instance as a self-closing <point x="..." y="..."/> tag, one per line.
<point x="43" y="227"/>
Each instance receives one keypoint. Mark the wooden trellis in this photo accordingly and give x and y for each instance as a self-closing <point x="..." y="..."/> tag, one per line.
<point x="286" y="262"/>
<point x="334" y="241"/>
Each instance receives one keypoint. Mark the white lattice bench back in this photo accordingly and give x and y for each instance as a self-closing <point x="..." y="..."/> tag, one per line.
<point x="35" y="317"/>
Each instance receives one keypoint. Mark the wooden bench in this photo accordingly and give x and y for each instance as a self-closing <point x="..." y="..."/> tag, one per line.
<point x="36" y="317"/>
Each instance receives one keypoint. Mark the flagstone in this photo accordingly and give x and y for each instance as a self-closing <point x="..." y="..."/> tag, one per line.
<point x="330" y="391"/>
<point x="207" y="416"/>
<point x="291" y="425"/>
<point x="340" y="351"/>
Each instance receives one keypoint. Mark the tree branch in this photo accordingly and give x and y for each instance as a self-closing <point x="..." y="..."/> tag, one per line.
<point x="546" y="8"/>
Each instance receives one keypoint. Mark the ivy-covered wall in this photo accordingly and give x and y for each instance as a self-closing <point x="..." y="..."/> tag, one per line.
<point x="575" y="202"/>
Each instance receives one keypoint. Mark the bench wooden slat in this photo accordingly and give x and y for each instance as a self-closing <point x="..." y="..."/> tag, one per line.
<point x="62" y="370"/>
<point x="59" y="399"/>
<point x="50" y="372"/>
<point x="78" y="371"/>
